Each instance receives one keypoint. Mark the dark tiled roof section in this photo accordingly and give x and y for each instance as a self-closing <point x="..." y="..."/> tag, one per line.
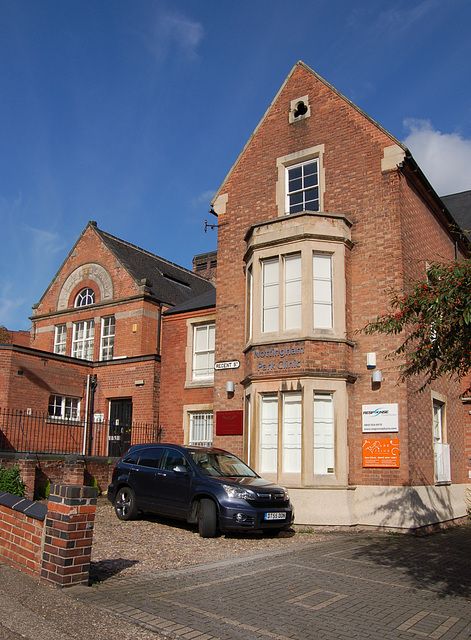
<point x="166" y="281"/>
<point x="459" y="205"/>
<point x="206" y="300"/>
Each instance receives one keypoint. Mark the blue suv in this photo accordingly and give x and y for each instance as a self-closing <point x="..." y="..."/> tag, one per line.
<point x="202" y="485"/>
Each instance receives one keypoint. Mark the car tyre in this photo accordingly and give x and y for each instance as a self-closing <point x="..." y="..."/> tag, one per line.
<point x="207" y="518"/>
<point x="125" y="504"/>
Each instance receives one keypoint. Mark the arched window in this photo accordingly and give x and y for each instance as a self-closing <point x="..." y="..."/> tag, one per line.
<point x="85" y="297"/>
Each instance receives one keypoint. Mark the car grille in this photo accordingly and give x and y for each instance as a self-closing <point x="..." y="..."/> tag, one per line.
<point x="270" y="500"/>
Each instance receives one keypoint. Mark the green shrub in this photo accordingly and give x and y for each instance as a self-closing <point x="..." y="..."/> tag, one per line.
<point x="44" y="490"/>
<point x="11" y="482"/>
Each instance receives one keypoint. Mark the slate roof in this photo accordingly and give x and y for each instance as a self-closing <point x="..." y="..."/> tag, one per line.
<point x="165" y="281"/>
<point x="206" y="300"/>
<point x="459" y="205"/>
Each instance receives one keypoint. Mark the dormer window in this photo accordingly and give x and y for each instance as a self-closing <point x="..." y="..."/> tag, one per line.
<point x="85" y="298"/>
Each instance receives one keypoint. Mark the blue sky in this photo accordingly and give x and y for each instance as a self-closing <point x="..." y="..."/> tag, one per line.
<point x="131" y="112"/>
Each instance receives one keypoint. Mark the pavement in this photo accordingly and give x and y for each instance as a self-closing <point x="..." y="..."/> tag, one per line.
<point x="350" y="585"/>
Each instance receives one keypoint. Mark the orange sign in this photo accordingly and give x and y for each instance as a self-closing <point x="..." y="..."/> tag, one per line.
<point x="378" y="452"/>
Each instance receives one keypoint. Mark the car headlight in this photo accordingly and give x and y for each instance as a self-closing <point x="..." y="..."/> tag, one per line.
<point x="237" y="492"/>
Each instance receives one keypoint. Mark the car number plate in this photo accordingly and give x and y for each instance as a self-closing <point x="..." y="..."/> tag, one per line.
<point x="275" y="515"/>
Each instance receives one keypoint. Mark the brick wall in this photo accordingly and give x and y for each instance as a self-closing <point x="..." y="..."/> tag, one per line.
<point x="394" y="232"/>
<point x="53" y="542"/>
<point x="173" y="394"/>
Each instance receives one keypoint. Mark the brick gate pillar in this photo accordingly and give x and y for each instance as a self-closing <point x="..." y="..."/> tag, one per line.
<point x="28" y="475"/>
<point x="68" y="535"/>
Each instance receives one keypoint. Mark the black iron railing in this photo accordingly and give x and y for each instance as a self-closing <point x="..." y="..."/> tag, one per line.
<point x="32" y="432"/>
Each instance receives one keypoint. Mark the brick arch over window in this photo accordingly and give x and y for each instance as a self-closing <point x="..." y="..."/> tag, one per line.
<point x="87" y="272"/>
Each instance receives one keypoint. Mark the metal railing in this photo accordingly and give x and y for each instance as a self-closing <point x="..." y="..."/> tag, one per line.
<point x="34" y="432"/>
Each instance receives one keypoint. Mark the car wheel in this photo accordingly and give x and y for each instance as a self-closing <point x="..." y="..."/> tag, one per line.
<point x="207" y="518"/>
<point x="125" y="504"/>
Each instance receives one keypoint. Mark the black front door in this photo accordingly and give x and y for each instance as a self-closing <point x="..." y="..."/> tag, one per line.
<point x="119" y="438"/>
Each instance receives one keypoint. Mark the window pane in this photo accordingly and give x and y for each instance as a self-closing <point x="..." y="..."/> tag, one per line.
<point x="201" y="429"/>
<point x="107" y="338"/>
<point x="82" y="343"/>
<point x="302" y="192"/>
<point x="292" y="429"/>
<point x="203" y="352"/>
<point x="292" y="291"/>
<point x="324" y="434"/>
<point x="268" y="434"/>
<point x="60" y="338"/>
<point x="270" y="295"/>
<point x="322" y="291"/>
<point x="322" y="265"/>
<point x="322" y="316"/>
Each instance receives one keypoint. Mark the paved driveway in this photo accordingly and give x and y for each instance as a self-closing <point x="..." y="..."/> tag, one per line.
<point x="348" y="586"/>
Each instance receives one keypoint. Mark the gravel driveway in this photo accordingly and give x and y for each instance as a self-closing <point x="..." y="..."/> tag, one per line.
<point x="151" y="544"/>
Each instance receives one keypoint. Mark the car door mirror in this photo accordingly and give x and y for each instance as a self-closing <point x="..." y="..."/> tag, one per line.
<point x="180" y="469"/>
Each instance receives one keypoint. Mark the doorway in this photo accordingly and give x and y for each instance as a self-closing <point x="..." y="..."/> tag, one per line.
<point x="119" y="438"/>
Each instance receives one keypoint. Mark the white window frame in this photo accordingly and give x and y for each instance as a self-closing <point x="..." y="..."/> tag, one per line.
<point x="322" y="291"/>
<point x="441" y="449"/>
<point x="85" y="297"/>
<point x="292" y="291"/>
<point x="291" y="433"/>
<point x="204" y="353"/>
<point x="60" y="339"/>
<point x="83" y="338"/>
<point x="317" y="446"/>
<point x="302" y="188"/>
<point x="108" y="329"/>
<point x="324" y="434"/>
<point x="270" y="295"/>
<point x="201" y="428"/>
<point x="64" y="407"/>
<point x="283" y="163"/>
<point x="268" y="434"/>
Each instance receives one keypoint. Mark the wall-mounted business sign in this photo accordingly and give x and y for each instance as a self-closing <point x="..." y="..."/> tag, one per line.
<point x="230" y="364"/>
<point x="380" y="418"/>
<point x="279" y="358"/>
<point x="381" y="453"/>
<point x="229" y="423"/>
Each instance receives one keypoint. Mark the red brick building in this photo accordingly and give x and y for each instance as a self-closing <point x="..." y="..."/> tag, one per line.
<point x="95" y="344"/>
<point x="322" y="211"/>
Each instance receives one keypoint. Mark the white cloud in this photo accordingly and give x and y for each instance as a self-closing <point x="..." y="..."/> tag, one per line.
<point x="9" y="306"/>
<point x="45" y="244"/>
<point x="445" y="158"/>
<point x="402" y="19"/>
<point x="203" y="199"/>
<point x="174" y="33"/>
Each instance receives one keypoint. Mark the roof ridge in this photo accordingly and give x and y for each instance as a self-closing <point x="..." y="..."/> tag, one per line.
<point x="145" y="251"/>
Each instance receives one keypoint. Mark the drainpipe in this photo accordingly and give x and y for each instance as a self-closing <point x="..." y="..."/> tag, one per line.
<point x="85" y="425"/>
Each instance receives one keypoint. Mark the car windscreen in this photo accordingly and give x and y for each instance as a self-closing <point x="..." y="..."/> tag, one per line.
<point x="217" y="463"/>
